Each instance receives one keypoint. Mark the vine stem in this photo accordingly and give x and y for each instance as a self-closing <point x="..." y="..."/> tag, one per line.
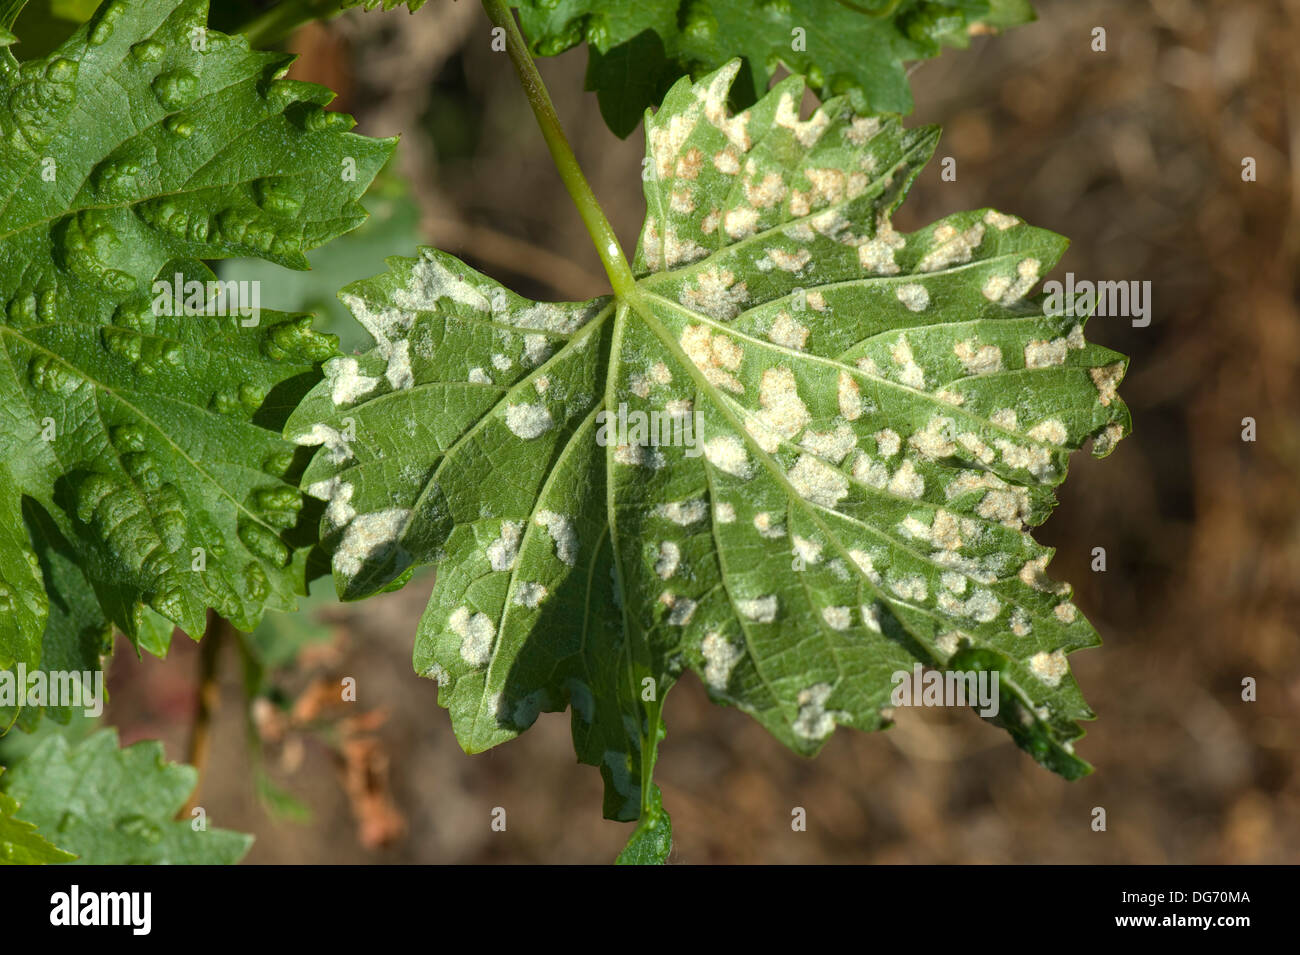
<point x="206" y="701"/>
<point x="593" y="216"/>
<point x="607" y="247"/>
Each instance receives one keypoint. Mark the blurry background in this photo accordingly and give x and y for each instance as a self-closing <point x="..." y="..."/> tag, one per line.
<point x="1135" y="154"/>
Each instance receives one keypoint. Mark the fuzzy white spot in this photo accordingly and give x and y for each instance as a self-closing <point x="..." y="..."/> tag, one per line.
<point x="787" y="332"/>
<point x="529" y="421"/>
<point x="888" y="442"/>
<point x="562" y="533"/>
<point x="789" y="261"/>
<point x="680" y="609"/>
<point x="833" y="446"/>
<point x="911" y="587"/>
<point x="530" y="594"/>
<point x="1049" y="667"/>
<point x="806" y="132"/>
<point x="1107" y="381"/>
<point x="1020" y="625"/>
<point x="337" y="446"/>
<point x="339" y="494"/>
<point x="476" y="632"/>
<point x="727" y="453"/>
<point x="783" y="412"/>
<point x="720" y="658"/>
<point x="806" y="550"/>
<point x="1051" y="431"/>
<point x="934" y="441"/>
<point x="716" y="293"/>
<point x="503" y="551"/>
<point x="1042" y="354"/>
<point x="877" y="253"/>
<point x="906" y="482"/>
<point x="346" y="383"/>
<point x="951" y="247"/>
<point x="999" y="220"/>
<point x="978" y="359"/>
<point x="915" y="297"/>
<point x="818" y="482"/>
<point x="837" y="618"/>
<point x="850" y="397"/>
<point x="367" y="535"/>
<point x="910" y="373"/>
<point x="759" y="609"/>
<point x="668" y="559"/>
<point x="684" y="513"/>
<point x="813" y="721"/>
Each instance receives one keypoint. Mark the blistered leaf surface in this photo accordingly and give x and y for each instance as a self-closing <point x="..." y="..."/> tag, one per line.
<point x="141" y="146"/>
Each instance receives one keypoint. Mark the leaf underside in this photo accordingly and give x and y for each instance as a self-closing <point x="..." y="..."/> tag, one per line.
<point x="143" y="447"/>
<point x="112" y="806"/>
<point x="882" y="417"/>
<point x="638" y="50"/>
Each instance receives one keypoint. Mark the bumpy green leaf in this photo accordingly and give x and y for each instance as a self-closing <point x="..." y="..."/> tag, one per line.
<point x="853" y="429"/>
<point x="23" y="604"/>
<point x="114" y="806"/>
<point x="141" y="146"/>
<point x="20" y="843"/>
<point x="393" y="226"/>
<point x="857" y="48"/>
<point x="76" y="635"/>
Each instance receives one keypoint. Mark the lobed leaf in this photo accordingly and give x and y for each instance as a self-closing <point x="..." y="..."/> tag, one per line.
<point x="141" y="146"/>
<point x="112" y="806"/>
<point x="846" y="433"/>
<point x="20" y="843"/>
<point x="858" y="48"/>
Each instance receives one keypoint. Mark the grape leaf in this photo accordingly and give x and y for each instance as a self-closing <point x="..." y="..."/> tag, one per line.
<point x="392" y="226"/>
<point x="384" y="4"/>
<point x="20" y="843"/>
<point x="112" y="806"/>
<point x="141" y="146"/>
<point x="858" y="48"/>
<point x="76" y="633"/>
<point x="844" y="433"/>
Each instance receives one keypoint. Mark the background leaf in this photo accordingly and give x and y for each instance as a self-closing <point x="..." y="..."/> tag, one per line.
<point x="114" y="806"/>
<point x="20" y="843"/>
<point x="856" y="48"/>
<point x="142" y="145"/>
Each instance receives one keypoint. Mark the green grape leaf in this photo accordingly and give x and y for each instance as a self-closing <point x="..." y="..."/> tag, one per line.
<point x="393" y="226"/>
<point x="384" y="4"/>
<point x="800" y="456"/>
<point x="145" y="418"/>
<point x="23" y="604"/>
<point x="76" y="635"/>
<point x="853" y="47"/>
<point x="112" y="806"/>
<point x="20" y="842"/>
